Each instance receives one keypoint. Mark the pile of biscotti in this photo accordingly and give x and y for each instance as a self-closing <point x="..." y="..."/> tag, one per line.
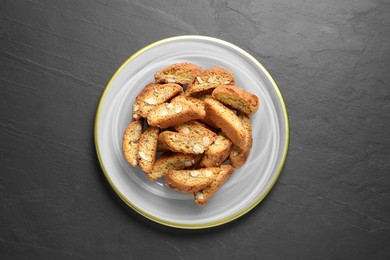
<point x="199" y="119"/>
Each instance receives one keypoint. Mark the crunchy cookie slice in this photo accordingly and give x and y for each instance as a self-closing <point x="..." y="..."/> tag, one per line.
<point x="217" y="152"/>
<point x="147" y="147"/>
<point x="172" y="161"/>
<point x="137" y="103"/>
<point x="203" y="196"/>
<point x="225" y="119"/>
<point x="171" y="114"/>
<point x="181" y="73"/>
<point x="198" y="105"/>
<point x="196" y="128"/>
<point x="130" y="142"/>
<point x="159" y="94"/>
<point x="239" y="155"/>
<point x="191" y="180"/>
<point x="184" y="143"/>
<point x="152" y="95"/>
<point x="237" y="98"/>
<point x="210" y="79"/>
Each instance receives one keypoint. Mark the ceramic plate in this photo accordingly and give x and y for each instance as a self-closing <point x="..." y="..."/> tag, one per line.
<point x="248" y="185"/>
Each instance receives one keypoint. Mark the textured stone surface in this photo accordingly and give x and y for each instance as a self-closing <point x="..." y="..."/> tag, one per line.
<point x="330" y="60"/>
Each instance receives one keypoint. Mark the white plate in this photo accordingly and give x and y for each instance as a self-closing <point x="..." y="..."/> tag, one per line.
<point x="248" y="185"/>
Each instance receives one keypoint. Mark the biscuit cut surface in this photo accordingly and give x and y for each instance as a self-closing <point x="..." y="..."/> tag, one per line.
<point x="184" y="143"/>
<point x="237" y="98"/>
<point x="135" y="114"/>
<point x="191" y="180"/>
<point x="203" y="196"/>
<point x="130" y="142"/>
<point x="217" y="152"/>
<point x="147" y="147"/>
<point x="198" y="105"/>
<point x="210" y="79"/>
<point x="158" y="94"/>
<point x="171" y="114"/>
<point x="196" y="128"/>
<point x="181" y="73"/>
<point x="238" y="156"/>
<point x="172" y="161"/>
<point x="225" y="119"/>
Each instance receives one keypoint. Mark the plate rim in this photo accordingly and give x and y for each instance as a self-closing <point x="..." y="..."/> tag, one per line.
<point x="213" y="223"/>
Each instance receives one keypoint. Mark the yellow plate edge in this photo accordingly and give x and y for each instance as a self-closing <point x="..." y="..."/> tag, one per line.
<point x="224" y="220"/>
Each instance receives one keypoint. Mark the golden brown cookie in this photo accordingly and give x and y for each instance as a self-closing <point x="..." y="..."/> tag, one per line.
<point x="184" y="143"/>
<point x="147" y="147"/>
<point x="191" y="180"/>
<point x="171" y="114"/>
<point x="210" y="79"/>
<point x="237" y="98"/>
<point x="238" y="156"/>
<point x="217" y="152"/>
<point x="180" y="73"/>
<point x="203" y="196"/>
<point x="225" y="119"/>
<point x="172" y="161"/>
<point x="130" y="142"/>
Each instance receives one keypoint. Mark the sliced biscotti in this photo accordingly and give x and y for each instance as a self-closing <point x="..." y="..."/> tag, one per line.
<point x="198" y="105"/>
<point x="147" y="146"/>
<point x="225" y="119"/>
<point x="160" y="93"/>
<point x="196" y="128"/>
<point x="237" y="98"/>
<point x="181" y="73"/>
<point x="184" y="143"/>
<point x="217" y="152"/>
<point x="139" y="98"/>
<point x="203" y="196"/>
<point x="130" y="142"/>
<point x="171" y="114"/>
<point x="210" y="79"/>
<point x="172" y="161"/>
<point x="239" y="155"/>
<point x="191" y="180"/>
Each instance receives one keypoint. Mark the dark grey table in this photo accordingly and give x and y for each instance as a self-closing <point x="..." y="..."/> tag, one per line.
<point x="331" y="60"/>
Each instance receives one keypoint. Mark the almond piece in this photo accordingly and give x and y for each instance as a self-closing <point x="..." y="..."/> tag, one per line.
<point x="185" y="130"/>
<point x="194" y="174"/>
<point x="197" y="149"/>
<point x="143" y="156"/>
<point x="150" y="101"/>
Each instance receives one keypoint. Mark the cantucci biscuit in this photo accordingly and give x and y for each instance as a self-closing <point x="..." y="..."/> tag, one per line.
<point x="184" y="143"/>
<point x="217" y="152"/>
<point x="198" y="105"/>
<point x="225" y="119"/>
<point x="239" y="155"/>
<point x="237" y="98"/>
<point x="135" y="113"/>
<point x="171" y="114"/>
<point x="147" y="147"/>
<point x="160" y="93"/>
<point x="181" y="73"/>
<point x="210" y="79"/>
<point x="196" y="128"/>
<point x="203" y="196"/>
<point x="172" y="161"/>
<point x="130" y="142"/>
<point x="191" y="180"/>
